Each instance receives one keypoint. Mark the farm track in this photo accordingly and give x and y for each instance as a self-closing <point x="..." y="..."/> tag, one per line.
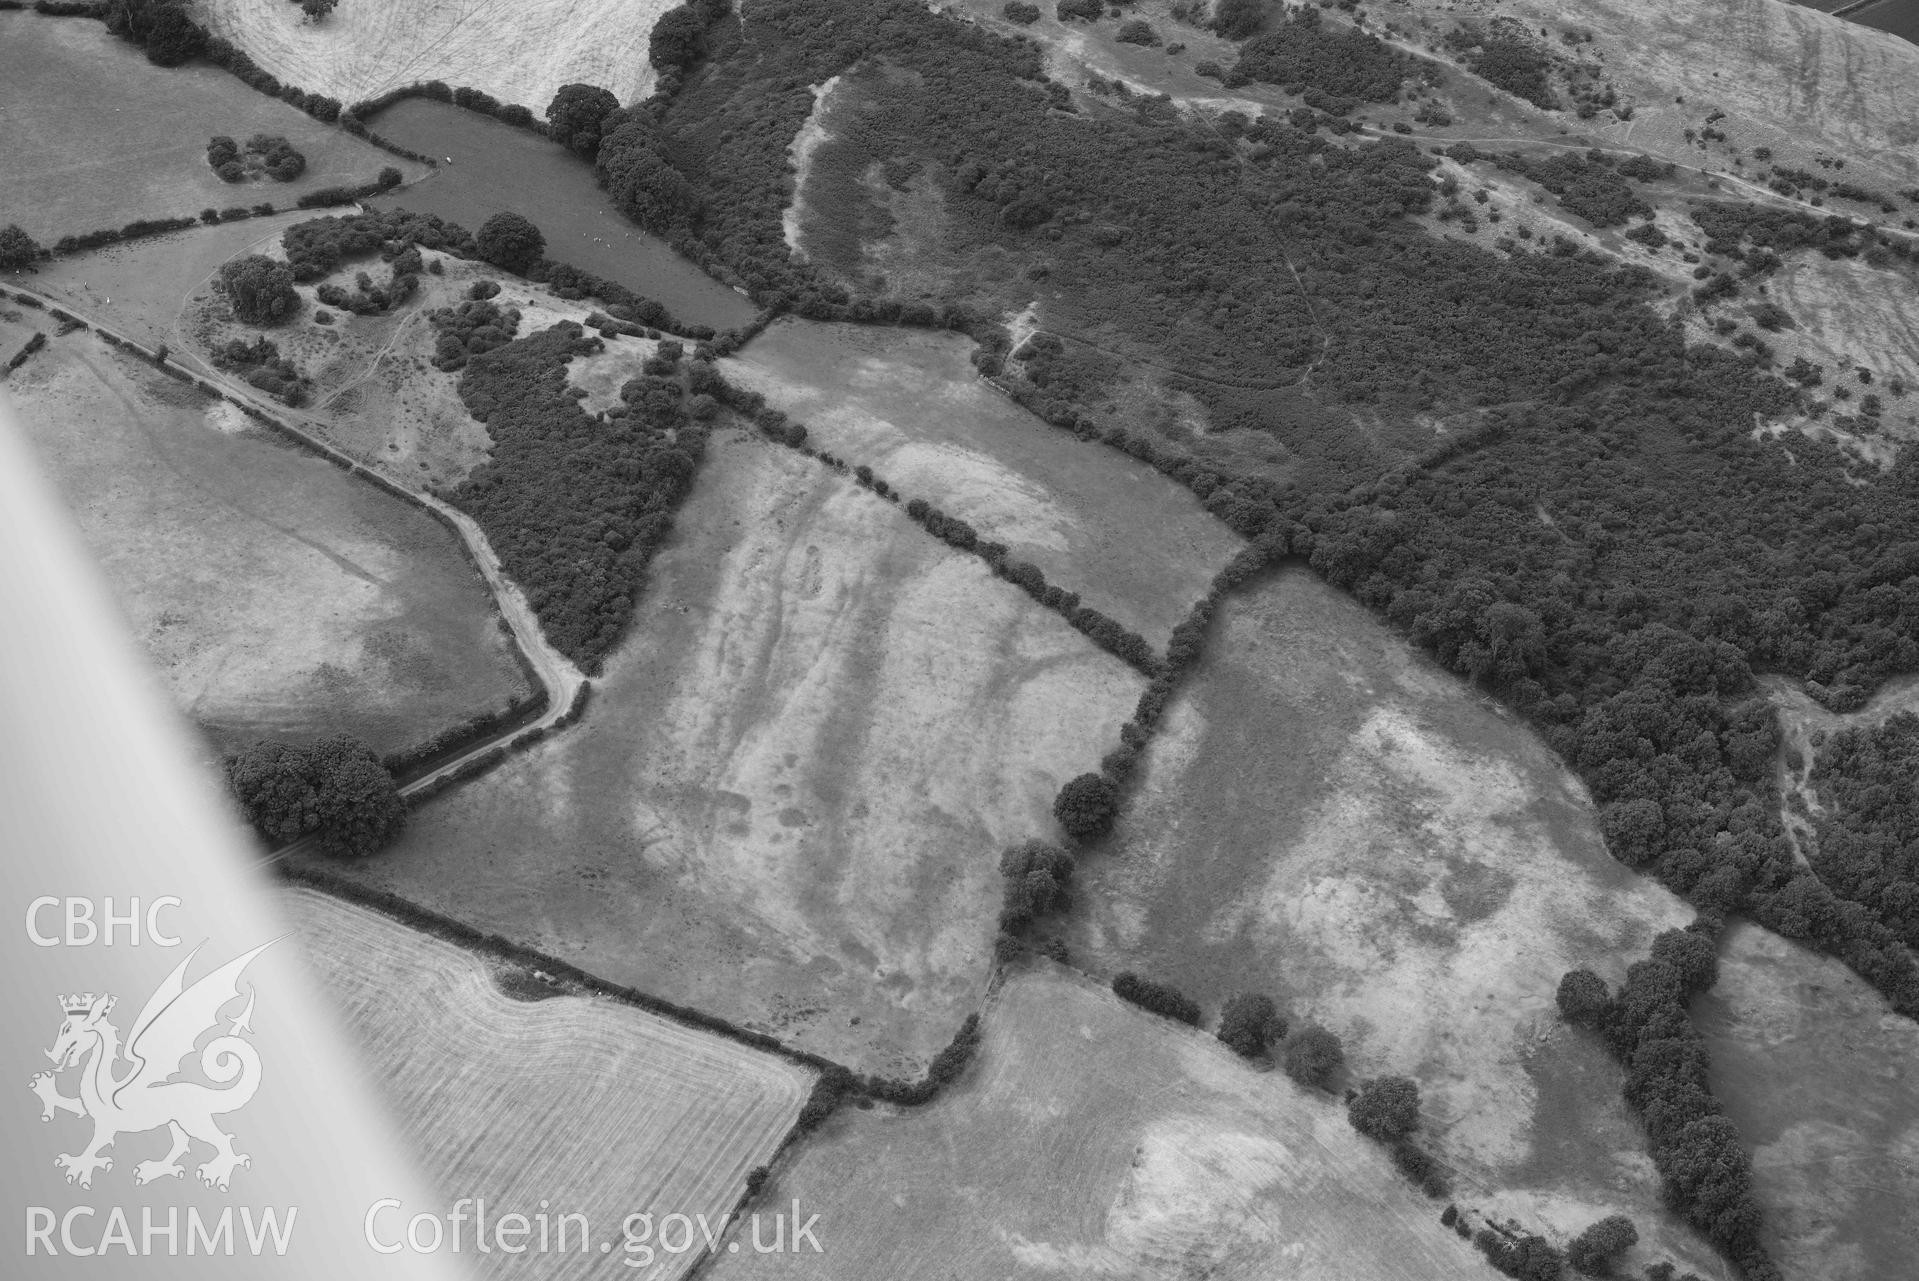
<point x="556" y="674"/>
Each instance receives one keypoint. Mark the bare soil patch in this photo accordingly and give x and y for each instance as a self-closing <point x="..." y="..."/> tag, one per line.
<point x="907" y="402"/>
<point x="96" y="136"/>
<point x="787" y="800"/>
<point x="277" y="596"/>
<point x="1820" y="1077"/>
<point x="568" y="1105"/>
<point x="1089" y="1139"/>
<point x="1328" y="818"/>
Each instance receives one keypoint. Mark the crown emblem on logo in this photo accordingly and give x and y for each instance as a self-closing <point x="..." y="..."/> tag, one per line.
<point x="78" y="1003"/>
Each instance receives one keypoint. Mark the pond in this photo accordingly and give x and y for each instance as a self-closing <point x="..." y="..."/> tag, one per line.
<point x="495" y="167"/>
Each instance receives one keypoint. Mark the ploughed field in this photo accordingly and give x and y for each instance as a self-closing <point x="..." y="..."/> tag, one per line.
<point x="521" y="52"/>
<point x="1090" y="1139"/>
<point x="907" y="402"/>
<point x="96" y="136"/>
<point x="496" y="167"/>
<point x="277" y="596"/>
<point x="1823" y="1081"/>
<point x="1328" y="818"/>
<point x="569" y="1104"/>
<point x="786" y="802"/>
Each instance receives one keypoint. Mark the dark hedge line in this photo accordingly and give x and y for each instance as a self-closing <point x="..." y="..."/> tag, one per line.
<point x="134" y="230"/>
<point x="425" y="919"/>
<point x="475" y="100"/>
<point x="26" y="351"/>
<point x="421" y="758"/>
<point x="1128" y="646"/>
<point x="1157" y="998"/>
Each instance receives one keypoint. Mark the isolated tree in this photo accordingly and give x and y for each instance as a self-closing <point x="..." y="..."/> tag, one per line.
<point x="17" y="248"/>
<point x="360" y="807"/>
<point x="1583" y="999"/>
<point x="1311" y="1056"/>
<point x="1087" y="806"/>
<point x="1249" y="1024"/>
<point x="272" y="784"/>
<point x="575" y="115"/>
<point x="1238" y="19"/>
<point x="260" y="290"/>
<point x="316" y="10"/>
<point x="678" y="38"/>
<point x="390" y="178"/>
<point x="1595" y="1250"/>
<point x="1386" y="1108"/>
<point x="509" y="241"/>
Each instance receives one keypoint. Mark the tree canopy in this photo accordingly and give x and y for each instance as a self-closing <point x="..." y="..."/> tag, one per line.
<point x="335" y="790"/>
<point x="574" y="117"/>
<point x="510" y="241"/>
<point x="17" y="248"/>
<point x="1087" y="806"/>
<point x="1249" y="1023"/>
<point x="260" y="290"/>
<point x="1386" y="1108"/>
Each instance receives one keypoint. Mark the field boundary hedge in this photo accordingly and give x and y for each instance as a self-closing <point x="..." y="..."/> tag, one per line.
<point x="499" y="947"/>
<point x="25" y="353"/>
<point x="1105" y="633"/>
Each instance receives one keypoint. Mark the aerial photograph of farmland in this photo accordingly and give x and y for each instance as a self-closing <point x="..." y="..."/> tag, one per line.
<point x="971" y="639"/>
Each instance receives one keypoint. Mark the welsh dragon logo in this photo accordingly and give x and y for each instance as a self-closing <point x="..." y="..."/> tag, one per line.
<point x="132" y="1089"/>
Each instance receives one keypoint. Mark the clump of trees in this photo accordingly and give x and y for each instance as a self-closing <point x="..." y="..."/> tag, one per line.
<point x="510" y="242"/>
<point x="472" y="328"/>
<point x="576" y="507"/>
<point x="575" y="116"/>
<point x="1867" y="852"/>
<point x="335" y="790"/>
<point x="1249" y="1023"/>
<point x="1086" y="807"/>
<point x="263" y="153"/>
<point x="1385" y="1109"/>
<point x="1339" y="67"/>
<point x="260" y="290"/>
<point x="1697" y="1149"/>
<point x="316" y="248"/>
<point x="1038" y="879"/>
<point x="1592" y="186"/>
<point x="261" y="363"/>
<point x="1312" y="1055"/>
<point x="1595" y="1251"/>
<point x="1238" y="19"/>
<point x="17" y="248"/>
<point x="1021" y="12"/>
<point x="1504" y="55"/>
<point x="1157" y="997"/>
<point x="1137" y="31"/>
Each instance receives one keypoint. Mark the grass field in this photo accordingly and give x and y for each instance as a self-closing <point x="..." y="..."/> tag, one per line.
<point x="140" y="287"/>
<point x="580" y="1103"/>
<point x="1132" y="543"/>
<point x="520" y="52"/>
<point x="1330" y="819"/>
<point x="1092" y="1140"/>
<point x="96" y="136"/>
<point x="786" y="802"/>
<point x="496" y="166"/>
<point x="1819" y="1074"/>
<point x="276" y="595"/>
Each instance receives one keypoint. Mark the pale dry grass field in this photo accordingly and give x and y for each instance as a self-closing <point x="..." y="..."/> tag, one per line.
<point x="1134" y="544"/>
<point x="1092" y="1140"/>
<point x="569" y="1104"/>
<point x="1819" y="1074"/>
<point x="1331" y="819"/>
<point x="517" y="50"/>
<point x="787" y="800"/>
<point x="276" y="595"/>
